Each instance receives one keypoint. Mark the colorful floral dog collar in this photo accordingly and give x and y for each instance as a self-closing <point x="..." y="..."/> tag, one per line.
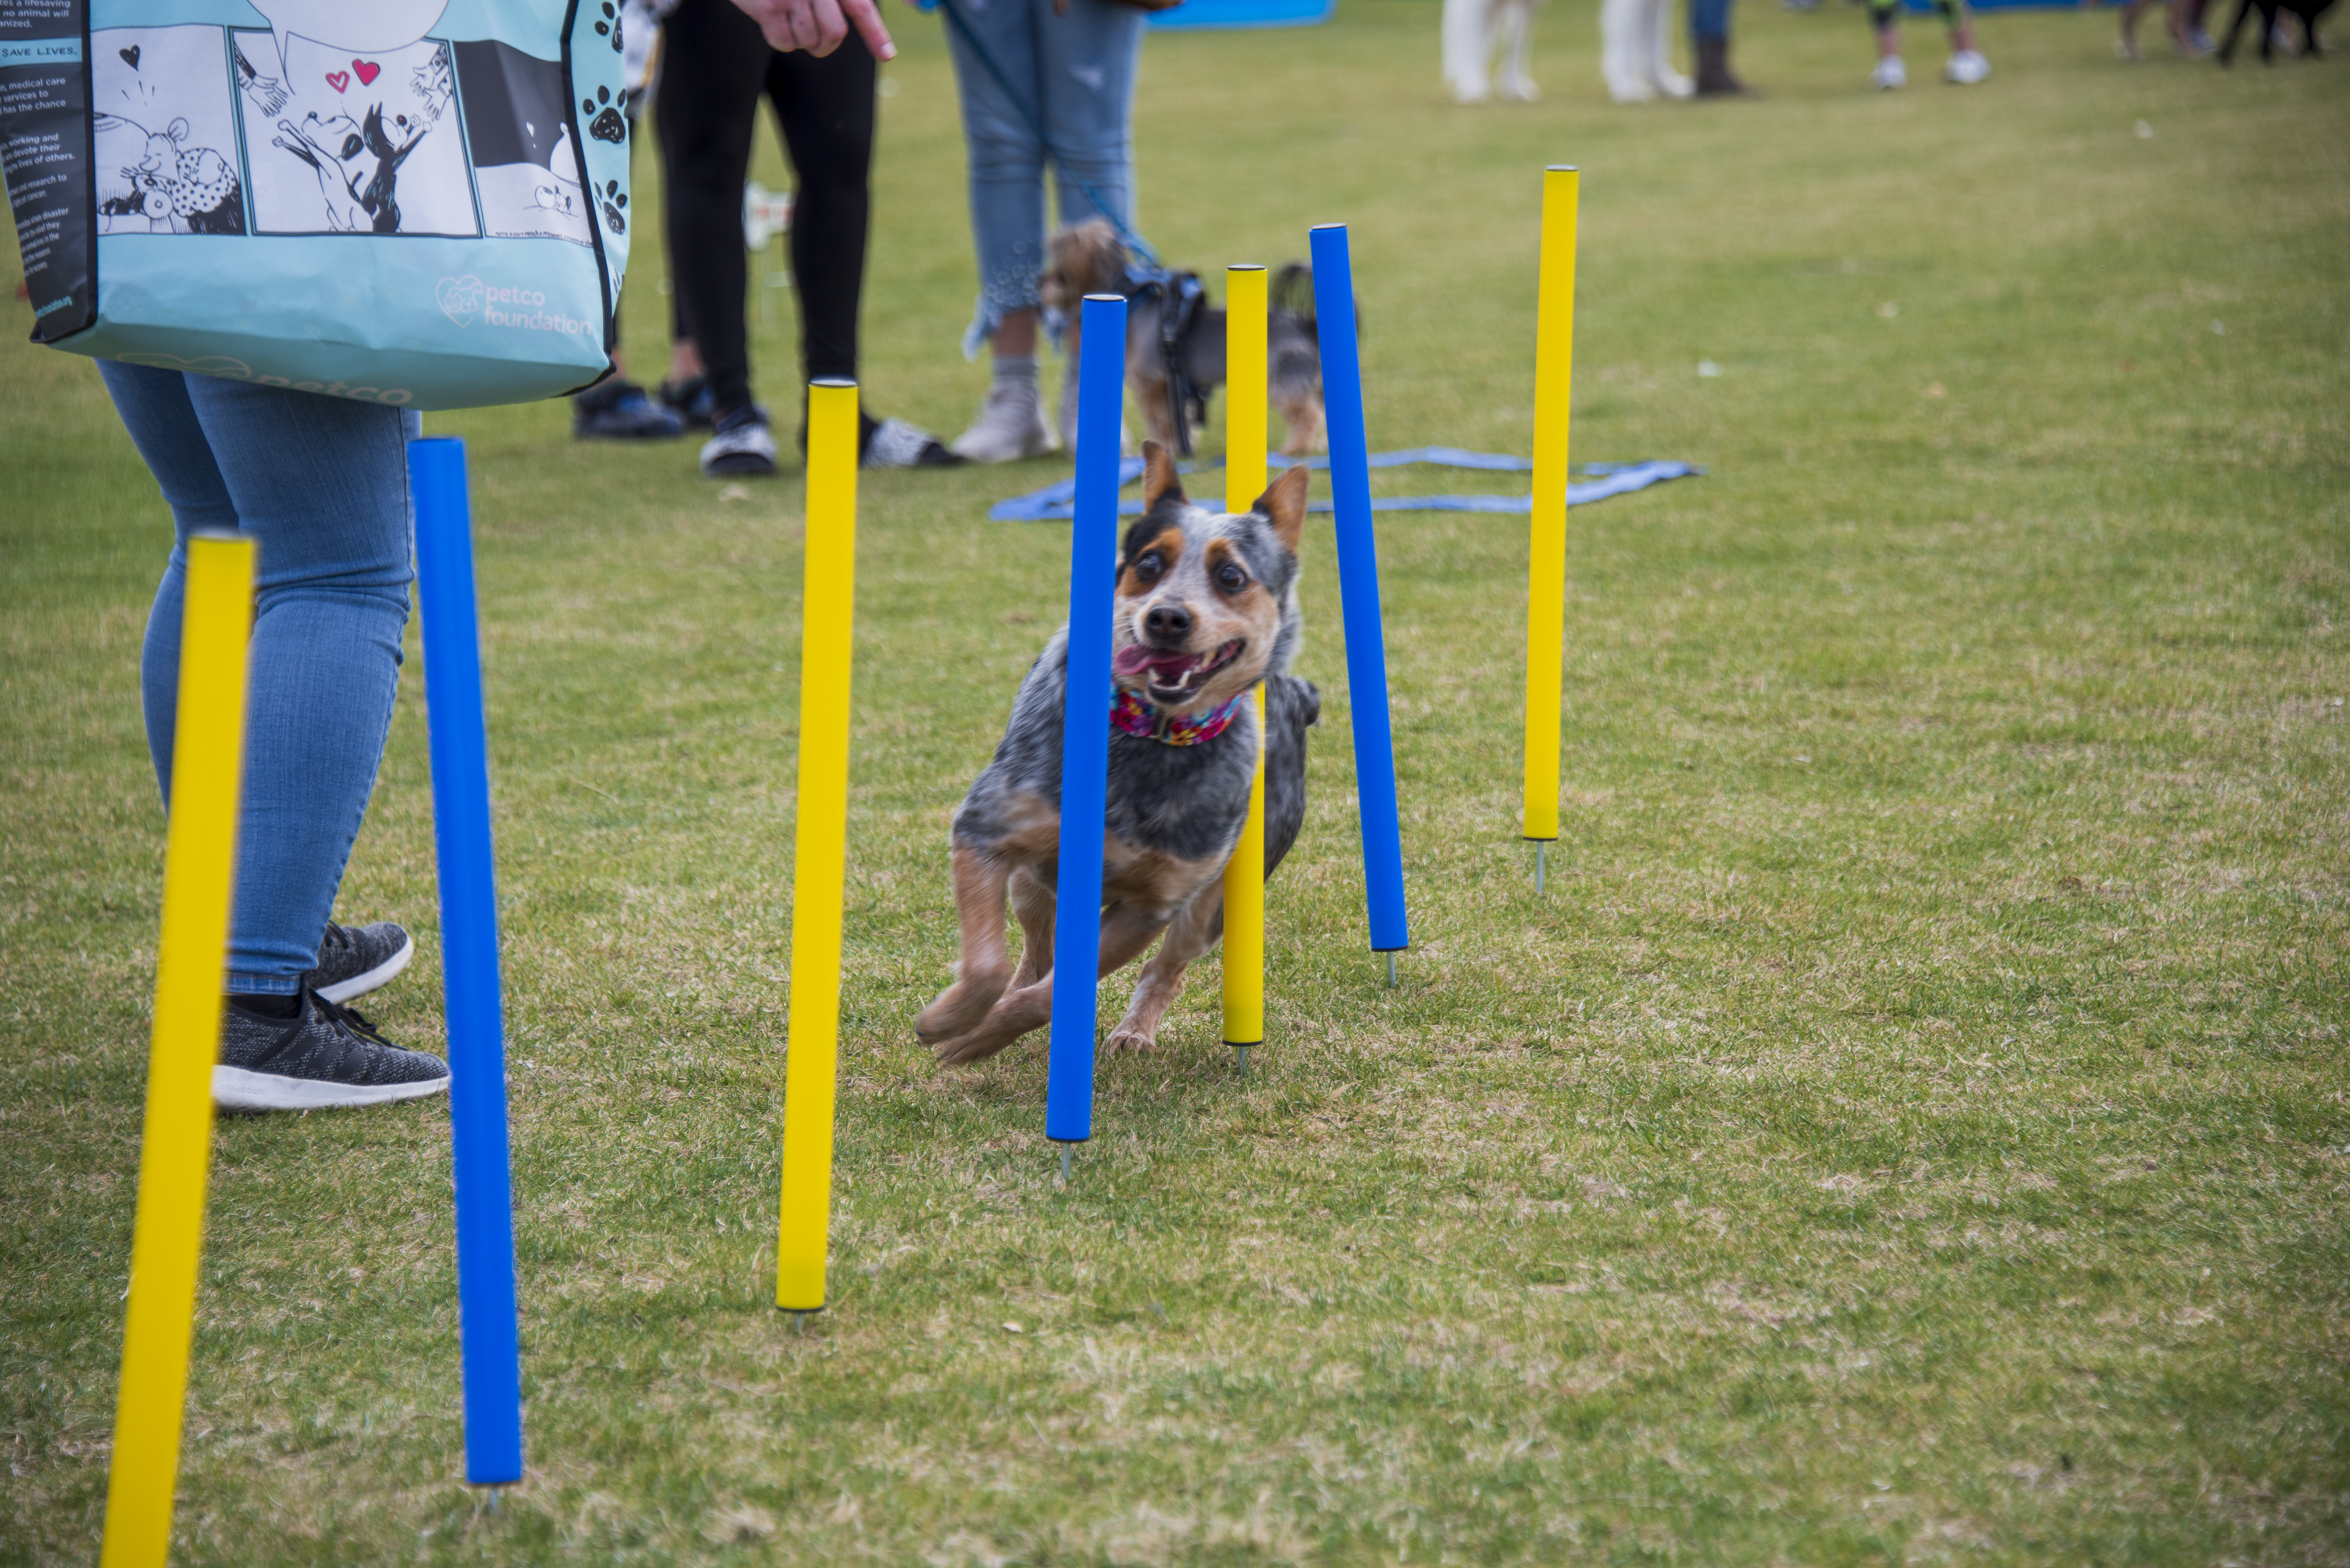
<point x="1135" y="717"/>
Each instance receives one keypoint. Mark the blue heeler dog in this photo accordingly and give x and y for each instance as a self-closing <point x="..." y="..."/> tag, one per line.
<point x="1206" y="607"/>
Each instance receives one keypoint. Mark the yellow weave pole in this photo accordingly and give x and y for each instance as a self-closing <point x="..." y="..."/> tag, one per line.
<point x="826" y="639"/>
<point x="1546" y="562"/>
<point x="1244" y="915"/>
<point x="1244" y="386"/>
<point x="1245" y="416"/>
<point x="191" y="962"/>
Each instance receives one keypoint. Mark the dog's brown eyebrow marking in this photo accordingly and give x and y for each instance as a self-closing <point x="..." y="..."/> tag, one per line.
<point x="1169" y="546"/>
<point x="1220" y="550"/>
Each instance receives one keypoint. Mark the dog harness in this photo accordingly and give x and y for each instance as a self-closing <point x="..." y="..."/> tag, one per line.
<point x="1135" y="717"/>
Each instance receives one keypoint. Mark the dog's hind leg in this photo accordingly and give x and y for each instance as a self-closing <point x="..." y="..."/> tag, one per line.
<point x="985" y="968"/>
<point x="1032" y="900"/>
<point x="1190" y="935"/>
<point x="1302" y="415"/>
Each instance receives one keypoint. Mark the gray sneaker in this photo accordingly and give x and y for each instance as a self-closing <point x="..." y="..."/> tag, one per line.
<point x="354" y="960"/>
<point x="324" y="1056"/>
<point x="894" y="443"/>
<point x="1011" y="426"/>
<point x="741" y="444"/>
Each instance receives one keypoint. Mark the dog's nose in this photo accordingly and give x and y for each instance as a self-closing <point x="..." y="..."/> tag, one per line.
<point x="1167" y="624"/>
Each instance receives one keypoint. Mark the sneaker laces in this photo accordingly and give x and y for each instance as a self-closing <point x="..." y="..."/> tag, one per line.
<point x="337" y="940"/>
<point x="350" y="1019"/>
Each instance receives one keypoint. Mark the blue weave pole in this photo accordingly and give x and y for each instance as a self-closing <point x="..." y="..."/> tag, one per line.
<point x="1084" y="723"/>
<point x="1358" y="589"/>
<point x="487" y="1330"/>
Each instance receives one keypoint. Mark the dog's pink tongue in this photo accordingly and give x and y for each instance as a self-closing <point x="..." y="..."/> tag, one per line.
<point x="1138" y="657"/>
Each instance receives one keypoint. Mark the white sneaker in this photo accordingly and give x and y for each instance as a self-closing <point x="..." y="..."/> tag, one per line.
<point x="1011" y="426"/>
<point x="1967" y="67"/>
<point x="1889" y="73"/>
<point x="1065" y="415"/>
<point x="743" y="444"/>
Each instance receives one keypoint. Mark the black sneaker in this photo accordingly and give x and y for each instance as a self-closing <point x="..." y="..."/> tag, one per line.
<point x="323" y="1056"/>
<point x="620" y="410"/>
<point x="690" y="400"/>
<point x="354" y="962"/>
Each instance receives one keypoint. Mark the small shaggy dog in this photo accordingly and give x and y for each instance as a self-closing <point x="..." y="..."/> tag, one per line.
<point x="1175" y="339"/>
<point x="1635" y="54"/>
<point x="1475" y="31"/>
<point x="1206" y="607"/>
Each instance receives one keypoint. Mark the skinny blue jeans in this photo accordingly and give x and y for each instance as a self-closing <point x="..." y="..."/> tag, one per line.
<point x="1076" y="74"/>
<point x="1710" y="18"/>
<point x="322" y="484"/>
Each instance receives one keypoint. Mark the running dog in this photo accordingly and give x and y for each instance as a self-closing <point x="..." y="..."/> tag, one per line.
<point x="1175" y="339"/>
<point x="1207" y="607"/>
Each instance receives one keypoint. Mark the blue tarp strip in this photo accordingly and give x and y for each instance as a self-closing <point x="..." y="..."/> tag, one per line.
<point x="1057" y="502"/>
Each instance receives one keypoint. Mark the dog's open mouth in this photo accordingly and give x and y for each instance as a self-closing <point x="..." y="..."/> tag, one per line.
<point x="1169" y="675"/>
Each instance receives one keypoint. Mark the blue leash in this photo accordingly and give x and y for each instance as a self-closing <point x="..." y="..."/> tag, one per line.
<point x="1133" y="241"/>
<point x="1055" y="502"/>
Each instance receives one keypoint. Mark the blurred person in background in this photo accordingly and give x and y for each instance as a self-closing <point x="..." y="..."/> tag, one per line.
<point x="1042" y="81"/>
<point x="1966" y="65"/>
<point x="1710" y="38"/>
<point x="816" y="62"/>
<point x="616" y="408"/>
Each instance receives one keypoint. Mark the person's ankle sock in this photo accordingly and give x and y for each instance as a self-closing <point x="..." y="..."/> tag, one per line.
<point x="1015" y="368"/>
<point x="266" y="1003"/>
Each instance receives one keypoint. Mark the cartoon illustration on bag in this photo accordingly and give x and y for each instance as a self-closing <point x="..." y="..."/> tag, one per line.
<point x="360" y="143"/>
<point x="525" y="163"/>
<point x="416" y="203"/>
<point x="160" y="126"/>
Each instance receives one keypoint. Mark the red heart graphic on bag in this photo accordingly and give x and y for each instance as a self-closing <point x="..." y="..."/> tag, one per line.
<point x="338" y="81"/>
<point x="367" y="73"/>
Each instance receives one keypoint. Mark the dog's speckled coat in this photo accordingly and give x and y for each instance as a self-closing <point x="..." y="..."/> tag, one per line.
<point x="1211" y="598"/>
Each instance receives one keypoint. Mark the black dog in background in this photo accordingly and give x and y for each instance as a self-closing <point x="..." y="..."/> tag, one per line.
<point x="2309" y="11"/>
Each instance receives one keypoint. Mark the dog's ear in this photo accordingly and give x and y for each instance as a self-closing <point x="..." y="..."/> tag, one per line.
<point x="1283" y="501"/>
<point x="1158" y="476"/>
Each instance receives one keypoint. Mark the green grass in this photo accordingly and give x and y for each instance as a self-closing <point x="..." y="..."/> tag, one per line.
<point x="1911" y="1129"/>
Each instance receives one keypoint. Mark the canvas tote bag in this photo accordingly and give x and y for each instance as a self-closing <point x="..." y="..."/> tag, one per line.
<point x="417" y="202"/>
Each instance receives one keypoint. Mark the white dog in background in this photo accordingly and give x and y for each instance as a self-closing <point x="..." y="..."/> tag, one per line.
<point x="1475" y="31"/>
<point x="1635" y="50"/>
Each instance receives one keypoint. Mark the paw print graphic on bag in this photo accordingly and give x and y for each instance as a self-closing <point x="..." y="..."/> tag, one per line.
<point x="606" y="124"/>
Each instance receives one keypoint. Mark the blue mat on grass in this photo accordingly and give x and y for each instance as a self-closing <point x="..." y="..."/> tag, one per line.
<point x="1056" y="503"/>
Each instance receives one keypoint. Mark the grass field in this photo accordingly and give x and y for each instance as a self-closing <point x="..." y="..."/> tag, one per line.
<point x="1910" y="1129"/>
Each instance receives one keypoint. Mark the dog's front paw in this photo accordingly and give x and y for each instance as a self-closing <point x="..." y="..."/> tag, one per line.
<point x="958" y="1008"/>
<point x="1129" y="1037"/>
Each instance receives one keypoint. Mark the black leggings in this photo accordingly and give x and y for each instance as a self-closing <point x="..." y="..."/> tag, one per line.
<point x="714" y="66"/>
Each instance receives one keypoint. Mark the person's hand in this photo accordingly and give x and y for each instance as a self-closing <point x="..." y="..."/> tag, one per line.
<point x="819" y="25"/>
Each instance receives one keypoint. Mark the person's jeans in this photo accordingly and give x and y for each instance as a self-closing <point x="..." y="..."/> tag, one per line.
<point x="1075" y="73"/>
<point x="1710" y="18"/>
<point x="322" y="484"/>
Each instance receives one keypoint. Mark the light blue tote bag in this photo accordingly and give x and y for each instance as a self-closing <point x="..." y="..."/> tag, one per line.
<point x="418" y="203"/>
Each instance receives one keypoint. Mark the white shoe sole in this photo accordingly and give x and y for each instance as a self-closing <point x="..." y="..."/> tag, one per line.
<point x="382" y="974"/>
<point x="237" y="1089"/>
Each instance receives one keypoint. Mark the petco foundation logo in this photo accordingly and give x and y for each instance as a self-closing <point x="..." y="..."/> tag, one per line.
<point x="231" y="369"/>
<point x="463" y="298"/>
